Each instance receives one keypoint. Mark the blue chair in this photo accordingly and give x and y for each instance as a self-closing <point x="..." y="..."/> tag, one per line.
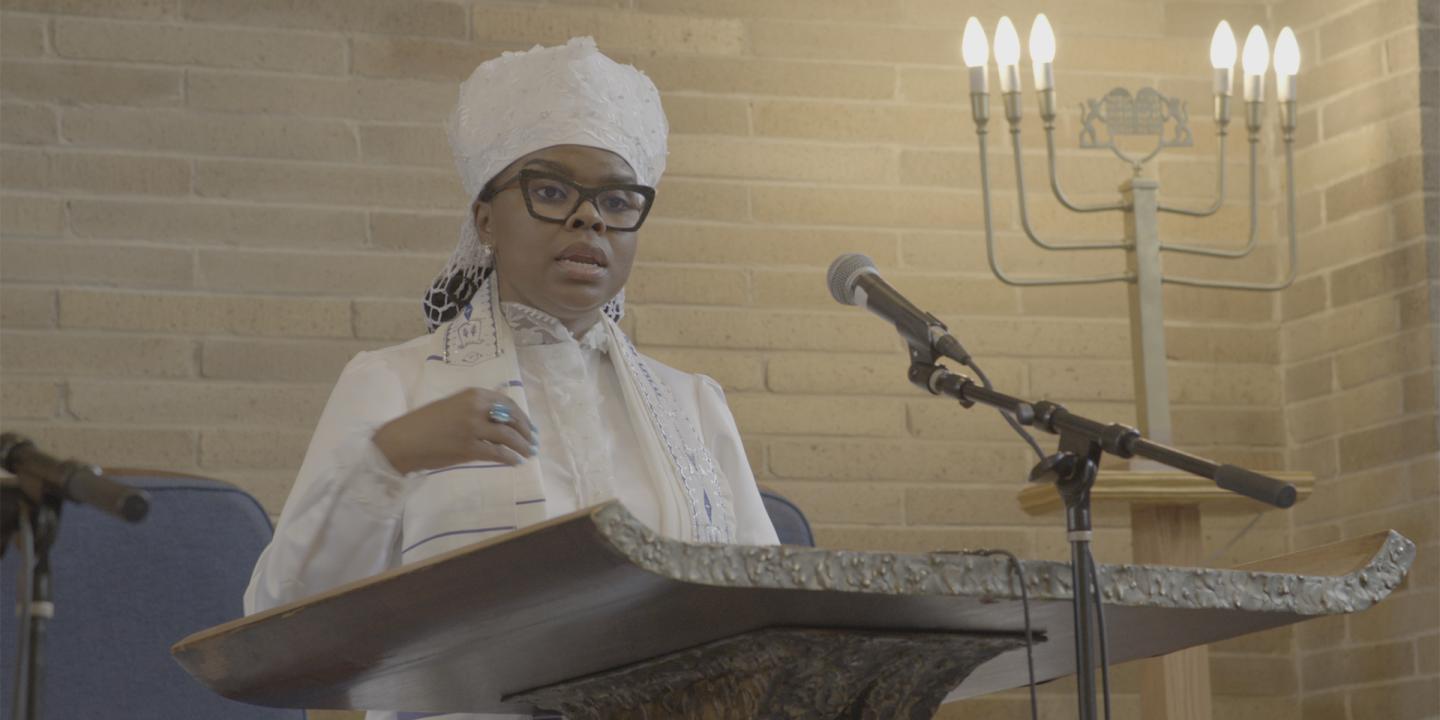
<point x="125" y="593"/>
<point x="790" y="523"/>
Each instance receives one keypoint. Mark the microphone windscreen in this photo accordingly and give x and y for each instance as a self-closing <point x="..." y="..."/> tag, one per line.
<point x="843" y="273"/>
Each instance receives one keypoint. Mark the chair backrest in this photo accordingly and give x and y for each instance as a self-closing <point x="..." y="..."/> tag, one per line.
<point x="790" y="524"/>
<point x="125" y="592"/>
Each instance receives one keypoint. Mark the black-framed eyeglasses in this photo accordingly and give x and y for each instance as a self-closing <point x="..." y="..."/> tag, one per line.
<point x="554" y="198"/>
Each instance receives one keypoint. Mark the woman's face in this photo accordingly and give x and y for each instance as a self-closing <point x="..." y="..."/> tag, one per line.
<point x="568" y="269"/>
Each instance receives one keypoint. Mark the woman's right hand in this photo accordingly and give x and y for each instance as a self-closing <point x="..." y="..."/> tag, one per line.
<point x="455" y="430"/>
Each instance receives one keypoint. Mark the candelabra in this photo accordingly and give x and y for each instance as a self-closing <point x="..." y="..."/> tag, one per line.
<point x="1144" y="113"/>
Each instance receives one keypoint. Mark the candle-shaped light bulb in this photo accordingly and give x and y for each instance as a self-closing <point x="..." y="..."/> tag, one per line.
<point x="1256" y="59"/>
<point x="1007" y="55"/>
<point x="1222" y="47"/>
<point x="1007" y="43"/>
<point x="974" y="47"/>
<point x="1042" y="52"/>
<point x="1287" y="64"/>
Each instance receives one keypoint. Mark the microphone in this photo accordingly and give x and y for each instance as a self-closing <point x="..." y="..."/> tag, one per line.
<point x="75" y="481"/>
<point x="854" y="280"/>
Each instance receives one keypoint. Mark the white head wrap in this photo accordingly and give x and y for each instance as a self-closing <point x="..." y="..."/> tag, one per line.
<point x="521" y="102"/>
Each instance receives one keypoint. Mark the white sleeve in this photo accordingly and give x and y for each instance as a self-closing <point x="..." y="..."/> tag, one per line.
<point x="752" y="523"/>
<point x="342" y="520"/>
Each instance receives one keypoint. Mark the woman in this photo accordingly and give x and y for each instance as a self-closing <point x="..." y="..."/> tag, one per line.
<point x="526" y="400"/>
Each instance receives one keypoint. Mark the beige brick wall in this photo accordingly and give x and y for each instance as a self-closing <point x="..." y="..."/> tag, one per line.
<point x="207" y="206"/>
<point x="1359" y="351"/>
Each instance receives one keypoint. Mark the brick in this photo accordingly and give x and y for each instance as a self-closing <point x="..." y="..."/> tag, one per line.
<point x="27" y="124"/>
<point x="970" y="505"/>
<point x="419" y="145"/>
<point x="1398" y="617"/>
<point x="862" y="122"/>
<point x="228" y="449"/>
<point x="407" y="57"/>
<point x="1414" y="217"/>
<point x="34" y="399"/>
<point x="677" y="198"/>
<point x="1374" y="188"/>
<point x="351" y="98"/>
<point x="1346" y="327"/>
<point x="190" y="403"/>
<point x="1418" y="521"/>
<point x="1305" y="297"/>
<point x="31" y="216"/>
<point x="1096" y="301"/>
<point x="314" y="274"/>
<point x="1397" y="440"/>
<point x="772" y="414"/>
<point x="438" y="18"/>
<point x="1410" y="699"/>
<point x="22" y="169"/>
<point x="92" y="84"/>
<point x="1279" y="641"/>
<point x="199" y="45"/>
<point x="26" y="307"/>
<point x="1116" y="17"/>
<point x="137" y="9"/>
<point x="114" y="447"/>
<point x="918" y="540"/>
<point x="205" y="314"/>
<point x="1362" y="26"/>
<point x="1419" y="392"/>
<point x="1403" y="52"/>
<point x="91" y="354"/>
<point x="22" y="36"/>
<point x="415" y="232"/>
<point x="798" y="9"/>
<point x="1428" y="652"/>
<point x="1309" y="380"/>
<point x="760" y="329"/>
<point x="1339" y="243"/>
<point x="1320" y="633"/>
<point x="719" y="157"/>
<point x="1253" y="676"/>
<point x="1344" y="72"/>
<point x="277" y="360"/>
<point x="706" y="115"/>
<point x="202" y="223"/>
<point x="858" y="505"/>
<point x="938" y="419"/>
<point x="1227" y="425"/>
<point x="204" y="134"/>
<point x="838" y="374"/>
<point x="1002" y="337"/>
<point x="894" y="461"/>
<point x="1259" y="708"/>
<point x="1397" y="269"/>
<point x="761" y="246"/>
<point x="120" y="174"/>
<point x="1224" y="385"/>
<point x="288" y="182"/>
<point x="392" y="320"/>
<point x="1189" y="19"/>
<point x="937" y="294"/>
<point x="877" y="207"/>
<point x="1371" y="403"/>
<point x="135" y="266"/>
<point x="784" y="78"/>
<point x="965" y="252"/>
<point x="811" y="40"/>
<point x="672" y="285"/>
<point x="1371" y="103"/>
<point x="1324" y="706"/>
<point x="1109" y="546"/>
<point x="612" y="31"/>
<point x="735" y="371"/>
<point x="1069" y="380"/>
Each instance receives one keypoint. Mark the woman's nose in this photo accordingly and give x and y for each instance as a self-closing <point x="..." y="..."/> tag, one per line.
<point x="587" y="215"/>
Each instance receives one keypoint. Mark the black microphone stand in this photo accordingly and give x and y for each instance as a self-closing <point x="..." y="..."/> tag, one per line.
<point x="32" y="500"/>
<point x="1073" y="469"/>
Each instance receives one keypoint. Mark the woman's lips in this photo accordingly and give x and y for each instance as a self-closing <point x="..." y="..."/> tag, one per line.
<point x="576" y="270"/>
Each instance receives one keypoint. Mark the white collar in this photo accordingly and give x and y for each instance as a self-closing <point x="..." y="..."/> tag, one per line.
<point x="537" y="327"/>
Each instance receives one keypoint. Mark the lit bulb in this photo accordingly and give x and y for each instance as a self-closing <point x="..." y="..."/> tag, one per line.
<point x="1042" y="40"/>
<point x="1257" y="52"/>
<point x="974" y="46"/>
<point x="1287" y="53"/>
<point x="1007" y="43"/>
<point x="1222" y="47"/>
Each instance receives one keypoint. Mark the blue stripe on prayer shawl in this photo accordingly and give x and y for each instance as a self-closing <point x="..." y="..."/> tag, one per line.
<point x="455" y="532"/>
<point x="486" y="466"/>
<point x="530" y="502"/>
<point x="438" y="358"/>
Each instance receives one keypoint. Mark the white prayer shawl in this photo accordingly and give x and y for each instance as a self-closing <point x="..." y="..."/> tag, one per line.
<point x="458" y="506"/>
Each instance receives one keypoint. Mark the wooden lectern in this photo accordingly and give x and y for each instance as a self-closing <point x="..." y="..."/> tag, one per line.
<point x="596" y="616"/>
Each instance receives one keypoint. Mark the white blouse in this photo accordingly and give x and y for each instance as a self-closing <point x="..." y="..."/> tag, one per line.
<point x="342" y="521"/>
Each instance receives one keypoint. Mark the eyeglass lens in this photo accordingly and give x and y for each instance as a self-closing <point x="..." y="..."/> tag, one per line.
<point x="554" y="199"/>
